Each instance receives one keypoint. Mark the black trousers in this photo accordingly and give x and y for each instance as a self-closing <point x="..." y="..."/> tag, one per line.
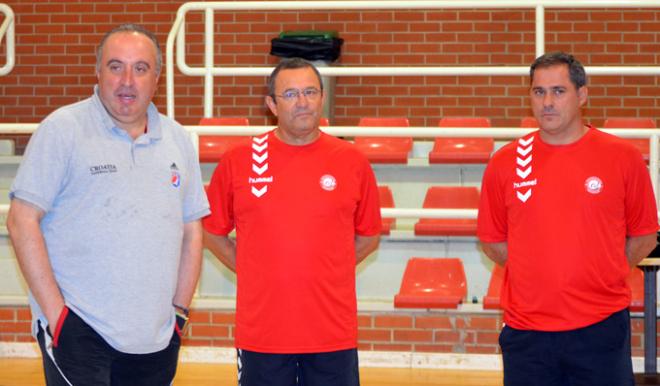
<point x="336" y="368"/>
<point x="82" y="357"/>
<point x="596" y="355"/>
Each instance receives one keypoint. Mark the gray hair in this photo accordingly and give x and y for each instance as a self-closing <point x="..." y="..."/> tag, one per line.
<point x="131" y="28"/>
<point x="290" y="64"/>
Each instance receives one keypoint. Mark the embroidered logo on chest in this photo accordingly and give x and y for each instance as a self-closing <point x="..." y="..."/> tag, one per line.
<point x="593" y="185"/>
<point x="176" y="176"/>
<point x="328" y="182"/>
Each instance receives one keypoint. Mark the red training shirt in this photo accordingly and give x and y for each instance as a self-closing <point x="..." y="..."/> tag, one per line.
<point x="297" y="210"/>
<point x="565" y="212"/>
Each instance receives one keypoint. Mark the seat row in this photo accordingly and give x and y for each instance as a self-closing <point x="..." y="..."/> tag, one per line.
<point x="395" y="150"/>
<point x="437" y="197"/>
<point x="440" y="283"/>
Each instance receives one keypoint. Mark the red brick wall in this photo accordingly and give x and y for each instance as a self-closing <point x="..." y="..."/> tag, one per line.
<point x="441" y="332"/>
<point x="56" y="40"/>
<point x="15" y="324"/>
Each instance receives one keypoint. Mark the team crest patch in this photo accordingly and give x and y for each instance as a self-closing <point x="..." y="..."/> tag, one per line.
<point x="175" y="179"/>
<point x="328" y="182"/>
<point x="593" y="185"/>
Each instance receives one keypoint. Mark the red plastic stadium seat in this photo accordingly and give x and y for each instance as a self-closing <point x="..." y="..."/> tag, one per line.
<point x="212" y="147"/>
<point x="432" y="283"/>
<point x="449" y="197"/>
<point x="462" y="150"/>
<point x="385" y="149"/>
<point x="386" y="201"/>
<point x="492" y="298"/>
<point x="633" y="123"/>
<point x="324" y="121"/>
<point x="529" y="123"/>
<point x="636" y="282"/>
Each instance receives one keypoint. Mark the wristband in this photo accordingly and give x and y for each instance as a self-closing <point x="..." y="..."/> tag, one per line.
<point x="182" y="328"/>
<point x="182" y="309"/>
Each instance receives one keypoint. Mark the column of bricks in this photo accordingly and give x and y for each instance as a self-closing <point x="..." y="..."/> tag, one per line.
<point x="444" y="332"/>
<point x="637" y="342"/>
<point x="210" y="328"/>
<point x="15" y="324"/>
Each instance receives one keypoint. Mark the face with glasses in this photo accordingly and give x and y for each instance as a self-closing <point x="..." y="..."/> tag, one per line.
<point x="297" y="104"/>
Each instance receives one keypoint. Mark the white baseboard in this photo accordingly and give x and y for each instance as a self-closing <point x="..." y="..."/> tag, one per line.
<point x="391" y="359"/>
<point x="19" y="350"/>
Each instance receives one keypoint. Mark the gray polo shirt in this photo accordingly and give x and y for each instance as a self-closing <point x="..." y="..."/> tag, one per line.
<point x="114" y="214"/>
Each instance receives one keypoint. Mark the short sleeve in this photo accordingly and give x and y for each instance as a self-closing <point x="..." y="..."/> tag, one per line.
<point x="367" y="216"/>
<point x="44" y="168"/>
<point x="492" y="218"/>
<point x="195" y="203"/>
<point x="221" y="200"/>
<point x="640" y="204"/>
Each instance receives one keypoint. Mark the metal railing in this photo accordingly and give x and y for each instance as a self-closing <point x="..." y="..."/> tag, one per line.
<point x="209" y="70"/>
<point x="7" y="35"/>
<point x="653" y="135"/>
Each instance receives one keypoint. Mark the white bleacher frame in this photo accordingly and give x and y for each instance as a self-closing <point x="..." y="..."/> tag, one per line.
<point x="653" y="135"/>
<point x="209" y="71"/>
<point x="7" y="29"/>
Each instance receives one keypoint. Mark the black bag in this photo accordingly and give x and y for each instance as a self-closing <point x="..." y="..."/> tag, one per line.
<point x="307" y="47"/>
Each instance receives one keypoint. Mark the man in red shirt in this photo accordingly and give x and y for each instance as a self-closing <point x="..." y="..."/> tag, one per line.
<point x="306" y="212"/>
<point x="568" y="210"/>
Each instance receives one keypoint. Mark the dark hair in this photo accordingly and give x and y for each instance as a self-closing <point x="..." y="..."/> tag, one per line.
<point x="575" y="69"/>
<point x="290" y="64"/>
<point x="131" y="28"/>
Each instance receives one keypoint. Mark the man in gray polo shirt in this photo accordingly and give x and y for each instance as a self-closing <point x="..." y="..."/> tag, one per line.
<point x="105" y="222"/>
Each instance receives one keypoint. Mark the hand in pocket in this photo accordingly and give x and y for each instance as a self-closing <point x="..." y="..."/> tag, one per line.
<point x="58" y="327"/>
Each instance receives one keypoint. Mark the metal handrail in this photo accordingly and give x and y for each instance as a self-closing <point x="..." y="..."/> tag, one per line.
<point x="361" y="131"/>
<point x="7" y="30"/>
<point x="653" y="135"/>
<point x="209" y="70"/>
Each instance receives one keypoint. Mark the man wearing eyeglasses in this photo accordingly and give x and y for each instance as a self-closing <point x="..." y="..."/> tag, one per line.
<point x="306" y="212"/>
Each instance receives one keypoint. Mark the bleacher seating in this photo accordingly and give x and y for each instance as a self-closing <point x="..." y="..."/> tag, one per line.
<point x="386" y="201"/>
<point x="212" y="147"/>
<point x="492" y="297"/>
<point x="529" y="123"/>
<point x="432" y="283"/>
<point x="633" y="123"/>
<point x="385" y="149"/>
<point x="449" y="197"/>
<point x="462" y="150"/>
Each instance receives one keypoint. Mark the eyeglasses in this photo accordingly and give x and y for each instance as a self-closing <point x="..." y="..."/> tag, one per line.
<point x="292" y="95"/>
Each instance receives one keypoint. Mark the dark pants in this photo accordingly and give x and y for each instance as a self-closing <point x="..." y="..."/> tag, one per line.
<point x="596" y="355"/>
<point x="336" y="368"/>
<point x="82" y="357"/>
